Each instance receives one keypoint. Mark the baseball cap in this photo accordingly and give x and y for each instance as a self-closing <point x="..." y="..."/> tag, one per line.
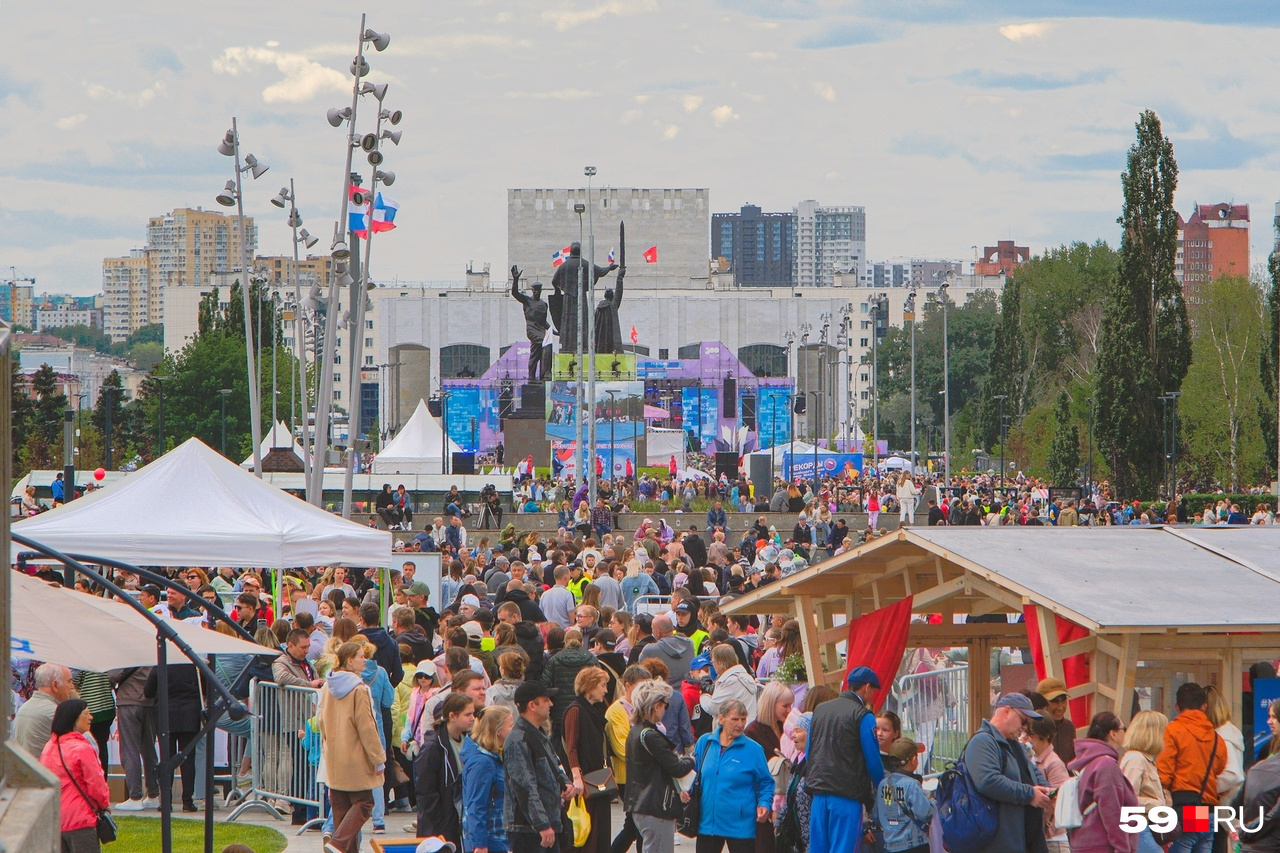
<point x="434" y="844"/>
<point x="861" y="675"/>
<point x="903" y="749"/>
<point x="531" y="690"/>
<point x="474" y="631"/>
<point x="427" y="668"/>
<point x="645" y="621"/>
<point x="418" y="588"/>
<point x="470" y="599"/>
<point x="700" y="662"/>
<point x="1051" y="688"/>
<point x="1017" y="702"/>
<point x="152" y="590"/>
<point x="683" y="607"/>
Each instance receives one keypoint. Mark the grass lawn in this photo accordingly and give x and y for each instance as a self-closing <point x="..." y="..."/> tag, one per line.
<point x="142" y="835"/>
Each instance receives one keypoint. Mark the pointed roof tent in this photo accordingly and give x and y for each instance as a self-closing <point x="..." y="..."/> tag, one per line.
<point x="1150" y="603"/>
<point x="416" y="448"/>
<point x="192" y="507"/>
<point x="280" y="437"/>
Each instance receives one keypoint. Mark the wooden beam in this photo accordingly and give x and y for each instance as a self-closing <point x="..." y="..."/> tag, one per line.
<point x="809" y="642"/>
<point x="937" y="565"/>
<point x="979" y="682"/>
<point x="1106" y="646"/>
<point x="1047" y="625"/>
<point x="960" y="635"/>
<point x="875" y="594"/>
<point x="990" y="590"/>
<point x="1126" y="677"/>
<point x="1082" y="646"/>
<point x="929" y="597"/>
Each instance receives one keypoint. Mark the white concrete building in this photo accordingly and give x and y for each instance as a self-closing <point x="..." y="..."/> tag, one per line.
<point x="829" y="240"/>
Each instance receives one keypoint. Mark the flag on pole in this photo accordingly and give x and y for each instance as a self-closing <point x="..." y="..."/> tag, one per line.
<point x="651" y="255"/>
<point x="635" y="338"/>
<point x="358" y="213"/>
<point x="610" y="258"/>
<point x="560" y="257"/>
<point x="384" y="213"/>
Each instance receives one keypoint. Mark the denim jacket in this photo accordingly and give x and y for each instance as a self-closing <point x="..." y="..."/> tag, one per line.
<point x="903" y="811"/>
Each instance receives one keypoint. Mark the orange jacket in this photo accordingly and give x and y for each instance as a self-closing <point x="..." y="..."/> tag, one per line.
<point x="1188" y="743"/>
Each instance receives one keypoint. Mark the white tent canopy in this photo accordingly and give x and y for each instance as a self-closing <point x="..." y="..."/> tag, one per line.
<point x="58" y="625"/>
<point x="280" y="436"/>
<point x="193" y="507"/>
<point x="416" y="449"/>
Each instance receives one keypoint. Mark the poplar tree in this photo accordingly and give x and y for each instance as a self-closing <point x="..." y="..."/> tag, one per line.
<point x="1145" y="340"/>
<point x="1064" y="450"/>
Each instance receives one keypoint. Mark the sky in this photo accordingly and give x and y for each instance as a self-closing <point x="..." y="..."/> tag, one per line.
<point x="955" y="123"/>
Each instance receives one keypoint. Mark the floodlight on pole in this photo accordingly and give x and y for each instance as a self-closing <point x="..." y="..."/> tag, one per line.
<point x="392" y="116"/>
<point x="305" y="237"/>
<point x="228" y="196"/>
<point x="227" y="147"/>
<point x="251" y="164"/>
<point x="387" y="178"/>
<point x="380" y="41"/>
<point x="338" y="115"/>
<point x="378" y="90"/>
<point x="393" y="135"/>
<point x="282" y="198"/>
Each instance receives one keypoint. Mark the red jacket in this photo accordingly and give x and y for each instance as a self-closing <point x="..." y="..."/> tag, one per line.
<point x="81" y="759"/>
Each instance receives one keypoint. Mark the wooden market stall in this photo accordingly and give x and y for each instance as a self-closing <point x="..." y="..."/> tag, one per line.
<point x="1110" y="609"/>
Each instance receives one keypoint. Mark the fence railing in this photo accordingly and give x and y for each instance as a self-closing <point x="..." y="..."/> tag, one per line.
<point x="934" y="708"/>
<point x="278" y="742"/>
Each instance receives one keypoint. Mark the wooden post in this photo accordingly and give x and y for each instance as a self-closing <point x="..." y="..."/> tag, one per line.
<point x="979" y="682"/>
<point x="808" y="615"/>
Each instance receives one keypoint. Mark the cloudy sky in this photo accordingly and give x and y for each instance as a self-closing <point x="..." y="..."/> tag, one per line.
<point x="954" y="122"/>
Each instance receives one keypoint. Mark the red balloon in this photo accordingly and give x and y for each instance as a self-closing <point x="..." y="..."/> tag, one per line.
<point x="100" y="473"/>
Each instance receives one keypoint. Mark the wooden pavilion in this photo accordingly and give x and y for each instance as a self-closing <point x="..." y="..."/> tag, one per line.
<point x="1153" y="605"/>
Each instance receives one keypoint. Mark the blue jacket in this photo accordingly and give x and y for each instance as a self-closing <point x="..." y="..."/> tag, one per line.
<point x="633" y="588"/>
<point x="735" y="782"/>
<point x="903" y="812"/>
<point x="380" y="688"/>
<point x="482" y="799"/>
<point x="677" y="725"/>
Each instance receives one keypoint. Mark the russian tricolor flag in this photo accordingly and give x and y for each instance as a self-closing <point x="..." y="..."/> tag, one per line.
<point x="358" y="214"/>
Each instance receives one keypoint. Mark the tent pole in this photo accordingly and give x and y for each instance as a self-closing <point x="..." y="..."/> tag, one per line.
<point x="164" y="771"/>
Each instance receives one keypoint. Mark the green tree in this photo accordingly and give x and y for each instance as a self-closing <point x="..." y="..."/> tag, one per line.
<point x="1267" y="366"/>
<point x="1064" y="450"/>
<point x="1144" y="342"/>
<point x="22" y="416"/>
<point x="90" y="337"/>
<point x="111" y="399"/>
<point x="1008" y="368"/>
<point x="1221" y="428"/>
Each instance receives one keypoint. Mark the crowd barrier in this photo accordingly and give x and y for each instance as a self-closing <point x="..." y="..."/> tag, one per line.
<point x="282" y="770"/>
<point x="934" y="708"/>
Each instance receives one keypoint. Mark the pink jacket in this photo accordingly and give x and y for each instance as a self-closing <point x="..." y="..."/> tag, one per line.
<point x="81" y="758"/>
<point x="1102" y="786"/>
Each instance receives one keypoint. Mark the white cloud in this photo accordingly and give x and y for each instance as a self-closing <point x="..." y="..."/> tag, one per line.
<point x="554" y="95"/>
<point x="68" y="122"/>
<point x="641" y="99"/>
<point x="137" y="99"/>
<point x="762" y="55"/>
<point x="825" y="91"/>
<point x="631" y="116"/>
<point x="1022" y="32"/>
<point x="669" y="131"/>
<point x="691" y="103"/>
<point x="724" y="114"/>
<point x="565" y="18"/>
<point x="303" y="78"/>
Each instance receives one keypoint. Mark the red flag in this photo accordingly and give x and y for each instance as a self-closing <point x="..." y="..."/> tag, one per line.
<point x="635" y="338"/>
<point x="651" y="255"/>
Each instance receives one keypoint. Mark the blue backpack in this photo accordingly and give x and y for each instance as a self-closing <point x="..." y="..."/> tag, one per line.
<point x="969" y="820"/>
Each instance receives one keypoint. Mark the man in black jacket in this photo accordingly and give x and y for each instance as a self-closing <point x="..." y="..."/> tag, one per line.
<point x="844" y="765"/>
<point x="695" y="547"/>
<point x="536" y="784"/>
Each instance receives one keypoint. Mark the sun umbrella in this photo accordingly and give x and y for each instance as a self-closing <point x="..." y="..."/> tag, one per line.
<point x="58" y="625"/>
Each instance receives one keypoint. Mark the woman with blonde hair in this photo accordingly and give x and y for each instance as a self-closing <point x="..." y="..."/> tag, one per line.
<point x="772" y="709"/>
<point x="483" y="784"/>
<point x="1219" y="714"/>
<point x="907" y="493"/>
<point x="344" y="631"/>
<point x="585" y="746"/>
<point x="1143" y="740"/>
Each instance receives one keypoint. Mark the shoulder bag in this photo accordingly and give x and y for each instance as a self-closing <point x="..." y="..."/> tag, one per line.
<point x="1187" y="798"/>
<point x="691" y="814"/>
<point x="106" y="826"/>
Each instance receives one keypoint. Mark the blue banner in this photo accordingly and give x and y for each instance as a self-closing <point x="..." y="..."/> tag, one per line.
<point x="838" y="465"/>
<point x="464" y="405"/>
<point x="710" y="415"/>
<point x="1265" y="691"/>
<point x="773" y="420"/>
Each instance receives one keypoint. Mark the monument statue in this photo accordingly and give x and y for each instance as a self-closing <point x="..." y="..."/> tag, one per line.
<point x="570" y="296"/>
<point x="608" y="327"/>
<point x="537" y="326"/>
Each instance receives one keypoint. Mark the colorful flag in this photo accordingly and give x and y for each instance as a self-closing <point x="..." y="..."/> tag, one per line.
<point x="610" y="258"/>
<point x="635" y="338"/>
<point x="384" y="213"/>
<point x="358" y="214"/>
<point x="560" y="257"/>
<point x="651" y="255"/>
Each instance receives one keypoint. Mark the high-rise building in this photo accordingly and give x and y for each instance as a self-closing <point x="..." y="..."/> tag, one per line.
<point x="183" y="248"/>
<point x="672" y="222"/>
<point x="17" y="302"/>
<point x="829" y="240"/>
<point x="929" y="274"/>
<point x="756" y="245"/>
<point x="1214" y="242"/>
<point x="883" y="274"/>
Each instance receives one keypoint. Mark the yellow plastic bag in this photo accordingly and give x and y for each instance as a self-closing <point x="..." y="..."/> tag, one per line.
<point x="581" y="821"/>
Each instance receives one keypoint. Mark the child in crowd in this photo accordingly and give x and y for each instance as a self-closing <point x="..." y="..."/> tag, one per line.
<point x="902" y="809"/>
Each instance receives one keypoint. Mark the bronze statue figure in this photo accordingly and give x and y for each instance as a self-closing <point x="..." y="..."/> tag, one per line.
<point x="536" y="326"/>
<point x="572" y="296"/>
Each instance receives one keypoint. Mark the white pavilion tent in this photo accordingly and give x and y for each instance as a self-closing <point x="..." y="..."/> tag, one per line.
<point x="193" y="507"/>
<point x="280" y="436"/>
<point x="417" y="448"/>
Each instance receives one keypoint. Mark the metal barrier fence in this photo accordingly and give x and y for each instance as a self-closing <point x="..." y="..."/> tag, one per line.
<point x="651" y="604"/>
<point x="278" y="741"/>
<point x="934" y="708"/>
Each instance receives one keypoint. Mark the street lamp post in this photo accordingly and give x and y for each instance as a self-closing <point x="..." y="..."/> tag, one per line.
<point x="910" y="317"/>
<point x="444" y="431"/>
<point x="233" y="194"/>
<point x="1088" y="460"/>
<point x="946" y="384"/>
<point x="613" y="414"/>
<point x="1000" y="398"/>
<point x="878" y="304"/>
<point x="589" y="308"/>
<point x="106" y="411"/>
<point x="223" y="394"/>
<point x="817" y="396"/>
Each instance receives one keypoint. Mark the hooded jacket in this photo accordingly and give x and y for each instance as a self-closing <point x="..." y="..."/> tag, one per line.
<point x="1102" y="784"/>
<point x="734" y="683"/>
<point x="437" y="779"/>
<point x="534" y="780"/>
<point x="529" y="609"/>
<point x="417" y="640"/>
<point x="1262" y="792"/>
<point x="1188" y="742"/>
<point x="349" y="741"/>
<point x="483" y="786"/>
<point x="529" y="638"/>
<point x="559" y="675"/>
<point x="676" y="651"/>
<point x="387" y="654"/>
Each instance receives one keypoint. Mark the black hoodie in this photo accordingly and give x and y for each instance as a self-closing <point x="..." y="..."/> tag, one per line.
<point x="529" y="638"/>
